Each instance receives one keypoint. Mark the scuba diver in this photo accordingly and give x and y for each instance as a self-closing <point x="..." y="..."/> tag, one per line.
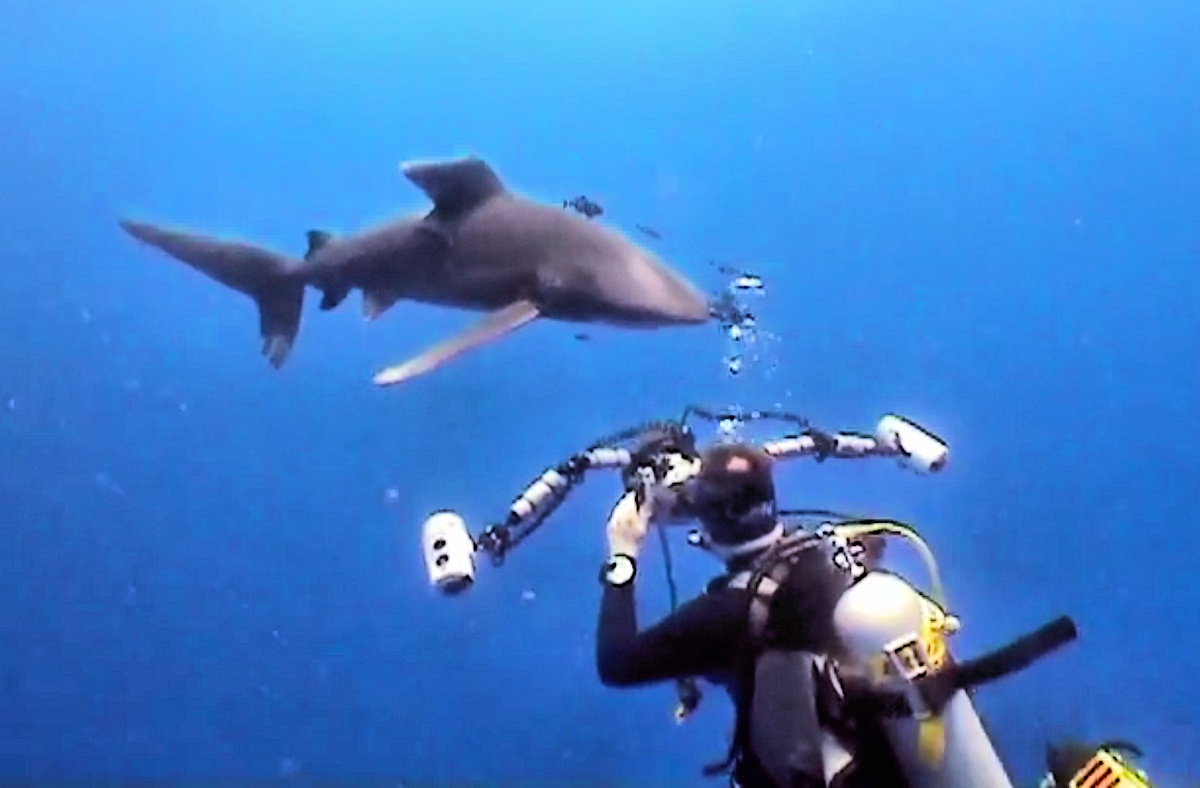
<point x="733" y="499"/>
<point x="839" y="670"/>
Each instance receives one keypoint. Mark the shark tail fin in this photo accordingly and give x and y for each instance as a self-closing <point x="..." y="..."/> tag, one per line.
<point x="272" y="280"/>
<point x="279" y="310"/>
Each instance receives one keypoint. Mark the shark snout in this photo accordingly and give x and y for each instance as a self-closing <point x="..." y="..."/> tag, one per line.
<point x="685" y="307"/>
<point x="696" y="308"/>
<point x="656" y="295"/>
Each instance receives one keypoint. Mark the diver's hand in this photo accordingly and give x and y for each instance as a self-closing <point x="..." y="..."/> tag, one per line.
<point x="628" y="525"/>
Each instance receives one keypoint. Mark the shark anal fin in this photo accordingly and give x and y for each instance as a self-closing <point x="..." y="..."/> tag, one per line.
<point x="456" y="186"/>
<point x="333" y="295"/>
<point x="492" y="327"/>
<point x="376" y="302"/>
<point x="317" y="239"/>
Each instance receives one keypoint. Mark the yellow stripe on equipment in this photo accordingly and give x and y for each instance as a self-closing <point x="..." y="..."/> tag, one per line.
<point x="1107" y="769"/>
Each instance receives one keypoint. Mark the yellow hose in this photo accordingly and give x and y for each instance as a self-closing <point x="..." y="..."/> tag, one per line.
<point x="893" y="528"/>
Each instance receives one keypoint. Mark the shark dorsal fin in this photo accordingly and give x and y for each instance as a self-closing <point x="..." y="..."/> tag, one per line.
<point x="456" y="186"/>
<point x="317" y="239"/>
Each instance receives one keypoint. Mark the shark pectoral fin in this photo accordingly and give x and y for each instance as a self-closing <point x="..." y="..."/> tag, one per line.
<point x="376" y="302"/>
<point x="492" y="327"/>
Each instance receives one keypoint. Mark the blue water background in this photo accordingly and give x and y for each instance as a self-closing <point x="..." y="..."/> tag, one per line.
<point x="983" y="216"/>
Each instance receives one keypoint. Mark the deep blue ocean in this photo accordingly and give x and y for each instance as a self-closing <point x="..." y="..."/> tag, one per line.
<point x="983" y="216"/>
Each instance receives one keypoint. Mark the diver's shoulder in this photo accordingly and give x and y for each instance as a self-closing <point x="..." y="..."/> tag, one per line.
<point x="728" y="584"/>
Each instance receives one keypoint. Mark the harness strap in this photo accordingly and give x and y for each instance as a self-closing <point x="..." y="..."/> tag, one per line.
<point x="770" y="571"/>
<point x="765" y="580"/>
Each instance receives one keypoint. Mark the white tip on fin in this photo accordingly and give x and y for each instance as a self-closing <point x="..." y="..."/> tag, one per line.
<point x="376" y="302"/>
<point x="492" y="327"/>
<point x="454" y="185"/>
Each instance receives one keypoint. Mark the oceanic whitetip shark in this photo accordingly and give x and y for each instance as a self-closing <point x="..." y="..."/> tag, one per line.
<point x="482" y="247"/>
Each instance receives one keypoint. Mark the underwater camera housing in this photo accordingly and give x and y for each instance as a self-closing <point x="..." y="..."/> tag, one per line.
<point x="656" y="460"/>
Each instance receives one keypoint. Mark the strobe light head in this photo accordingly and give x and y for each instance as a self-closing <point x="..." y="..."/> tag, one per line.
<point x="917" y="448"/>
<point x="449" y="552"/>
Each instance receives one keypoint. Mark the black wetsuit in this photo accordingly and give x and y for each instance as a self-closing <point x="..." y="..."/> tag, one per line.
<point x="707" y="637"/>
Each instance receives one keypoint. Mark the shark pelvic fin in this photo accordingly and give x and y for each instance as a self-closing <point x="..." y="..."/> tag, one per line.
<point x="376" y="302"/>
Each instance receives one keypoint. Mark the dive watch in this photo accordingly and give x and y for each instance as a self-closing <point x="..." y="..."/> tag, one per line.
<point x="619" y="570"/>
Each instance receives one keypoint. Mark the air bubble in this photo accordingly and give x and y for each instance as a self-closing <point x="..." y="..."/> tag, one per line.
<point x="749" y="282"/>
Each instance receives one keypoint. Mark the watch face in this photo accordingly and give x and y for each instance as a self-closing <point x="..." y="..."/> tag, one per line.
<point x="620" y="571"/>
